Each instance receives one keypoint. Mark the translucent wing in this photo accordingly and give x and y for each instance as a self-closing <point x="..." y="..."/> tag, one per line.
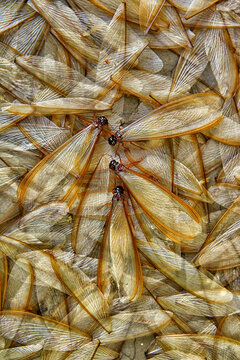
<point x="161" y="205"/>
<point x="218" y="50"/>
<point x="71" y="157"/>
<point x="227" y="131"/>
<point x="58" y="106"/>
<point x="84" y="292"/>
<point x="43" y="133"/>
<point x="19" y="286"/>
<point x="191" y="64"/>
<point x="207" y="345"/>
<point x="27" y="38"/>
<point x="227" y="221"/>
<point x="55" y="74"/>
<point x="9" y="206"/>
<point x="3" y="277"/>
<point x="14" y="13"/>
<point x="91" y="215"/>
<point x="12" y="248"/>
<point x="196" y="6"/>
<point x="158" y="163"/>
<point x="119" y="49"/>
<point x="40" y="227"/>
<point x="188" y="304"/>
<point x="20" y="352"/>
<point x="7" y="120"/>
<point x="119" y="261"/>
<point x="148" y="11"/>
<point x="181" y="271"/>
<point x="229" y="327"/>
<point x="224" y="194"/>
<point x="9" y="175"/>
<point x="68" y="26"/>
<point x="129" y="325"/>
<point x="32" y="329"/>
<point x="184" y="116"/>
<point x="86" y="352"/>
<point x="144" y="84"/>
<point x="174" y="36"/>
<point x="104" y="353"/>
<point x="177" y="355"/>
<point x="224" y="251"/>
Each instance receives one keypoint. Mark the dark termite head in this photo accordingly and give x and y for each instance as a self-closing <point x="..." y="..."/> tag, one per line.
<point x="112" y="140"/>
<point x="101" y="121"/>
<point x="117" y="137"/>
<point x="118" y="189"/>
<point x="115" y="166"/>
<point x="118" y="193"/>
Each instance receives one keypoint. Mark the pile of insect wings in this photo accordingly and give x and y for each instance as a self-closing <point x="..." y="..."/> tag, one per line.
<point x="119" y="179"/>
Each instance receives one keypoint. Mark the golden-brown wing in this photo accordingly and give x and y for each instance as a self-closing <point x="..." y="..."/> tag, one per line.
<point x="119" y="261"/>
<point x="187" y="115"/>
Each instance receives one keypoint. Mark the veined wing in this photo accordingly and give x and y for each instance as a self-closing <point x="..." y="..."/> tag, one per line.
<point x="196" y="6"/>
<point x="188" y="304"/>
<point x="21" y="352"/>
<point x="7" y="120"/>
<point x="91" y="214"/>
<point x="85" y="292"/>
<point x="190" y="66"/>
<point x="158" y="163"/>
<point x="187" y="115"/>
<point x="33" y="329"/>
<point x="181" y="271"/>
<point x="70" y="158"/>
<point x="58" y="106"/>
<point x="164" y="207"/>
<point x="224" y="251"/>
<point x="68" y="26"/>
<point x="144" y="84"/>
<point x="202" y="344"/>
<point x="119" y="261"/>
<point x="26" y="38"/>
<point x="19" y="286"/>
<point x="119" y="50"/>
<point x="14" y="13"/>
<point x="148" y="11"/>
<point x="43" y="133"/>
<point x="222" y="60"/>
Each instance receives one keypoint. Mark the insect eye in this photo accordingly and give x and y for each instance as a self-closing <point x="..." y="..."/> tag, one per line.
<point x="112" y="140"/>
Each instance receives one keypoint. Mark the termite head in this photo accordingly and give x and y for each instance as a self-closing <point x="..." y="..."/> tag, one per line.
<point x="115" y="166"/>
<point x="113" y="139"/>
<point x="118" y="193"/>
<point x="101" y="121"/>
